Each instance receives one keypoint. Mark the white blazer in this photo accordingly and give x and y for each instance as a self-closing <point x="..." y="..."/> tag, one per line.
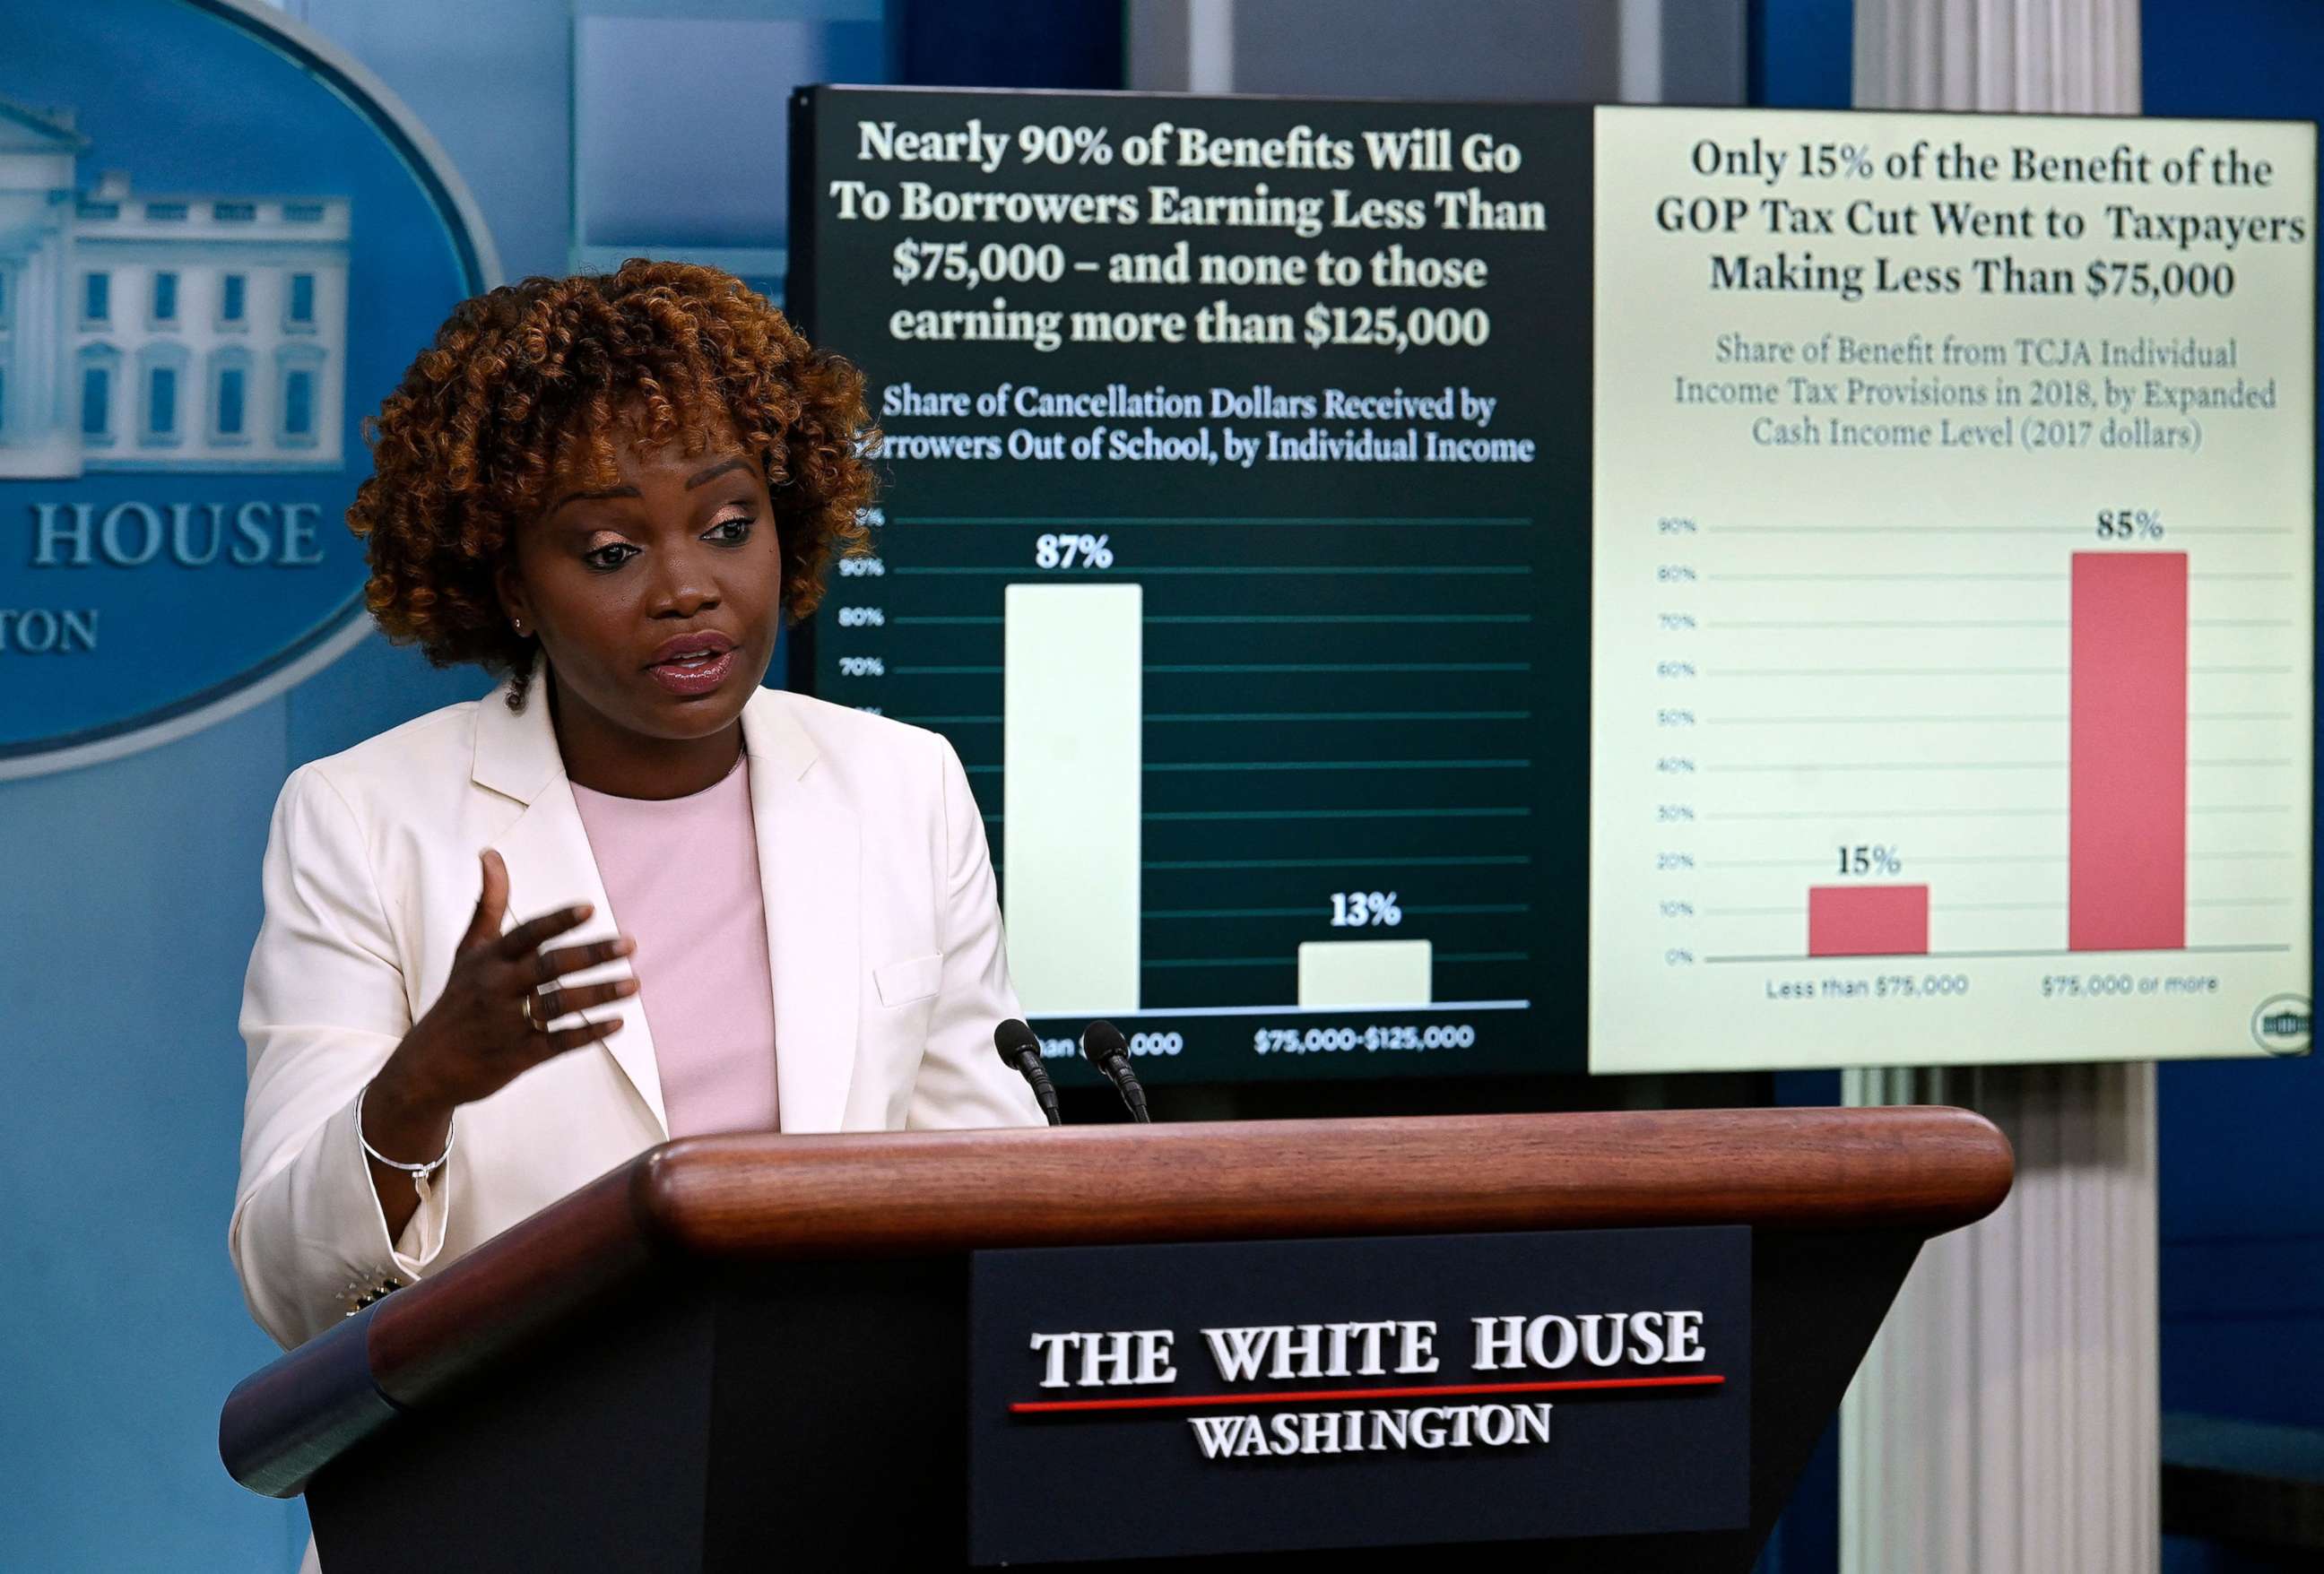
<point x="883" y="939"/>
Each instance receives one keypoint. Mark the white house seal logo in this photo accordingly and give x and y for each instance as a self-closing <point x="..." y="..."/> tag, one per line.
<point x="196" y="308"/>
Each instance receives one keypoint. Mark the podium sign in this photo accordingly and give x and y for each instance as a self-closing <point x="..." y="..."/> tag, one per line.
<point x="1144" y="1401"/>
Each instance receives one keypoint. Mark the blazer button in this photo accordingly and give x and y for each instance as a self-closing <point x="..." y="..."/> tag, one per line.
<point x="379" y="1291"/>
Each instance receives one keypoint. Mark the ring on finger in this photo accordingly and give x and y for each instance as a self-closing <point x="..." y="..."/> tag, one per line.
<point x="537" y="1024"/>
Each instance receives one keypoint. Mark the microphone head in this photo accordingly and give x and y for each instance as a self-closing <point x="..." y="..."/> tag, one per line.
<point x="1014" y="1039"/>
<point x="1100" y="1042"/>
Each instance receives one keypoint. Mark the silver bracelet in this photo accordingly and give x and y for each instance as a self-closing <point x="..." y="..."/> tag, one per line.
<point x="419" y="1173"/>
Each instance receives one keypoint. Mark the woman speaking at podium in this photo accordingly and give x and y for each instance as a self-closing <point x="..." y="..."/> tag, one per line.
<point x="630" y="895"/>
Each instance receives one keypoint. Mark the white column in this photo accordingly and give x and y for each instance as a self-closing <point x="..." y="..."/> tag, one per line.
<point x="1209" y="46"/>
<point x="2052" y="57"/>
<point x="1639" y="41"/>
<point x="2006" y="1420"/>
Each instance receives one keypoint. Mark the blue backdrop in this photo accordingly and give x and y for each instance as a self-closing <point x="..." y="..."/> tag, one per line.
<point x="130" y="895"/>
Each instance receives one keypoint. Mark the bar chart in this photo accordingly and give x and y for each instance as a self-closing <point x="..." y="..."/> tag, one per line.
<point x="1264" y="782"/>
<point x="1940" y="773"/>
<point x="2126" y="796"/>
<point x="1952" y="618"/>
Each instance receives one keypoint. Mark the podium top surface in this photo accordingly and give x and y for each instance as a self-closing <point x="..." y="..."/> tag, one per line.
<point x="767" y="1198"/>
<point x="770" y="1196"/>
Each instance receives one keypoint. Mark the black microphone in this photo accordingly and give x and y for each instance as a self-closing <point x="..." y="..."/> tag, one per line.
<point x="1103" y="1046"/>
<point x="1019" y="1048"/>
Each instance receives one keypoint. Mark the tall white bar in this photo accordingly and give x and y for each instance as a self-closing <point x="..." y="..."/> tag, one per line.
<point x="1073" y="719"/>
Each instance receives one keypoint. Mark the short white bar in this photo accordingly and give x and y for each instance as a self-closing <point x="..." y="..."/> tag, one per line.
<point x="1364" y="973"/>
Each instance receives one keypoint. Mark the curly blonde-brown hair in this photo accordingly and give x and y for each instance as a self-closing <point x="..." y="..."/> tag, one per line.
<point x="527" y="382"/>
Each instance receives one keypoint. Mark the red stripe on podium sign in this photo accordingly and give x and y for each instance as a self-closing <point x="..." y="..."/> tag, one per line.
<point x="1336" y="1395"/>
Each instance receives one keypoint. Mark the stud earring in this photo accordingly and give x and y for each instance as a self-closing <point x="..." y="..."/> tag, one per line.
<point x="518" y="624"/>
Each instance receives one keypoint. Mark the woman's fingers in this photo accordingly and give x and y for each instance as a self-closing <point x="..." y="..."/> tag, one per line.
<point x="568" y="998"/>
<point x="491" y="1023"/>
<point x="491" y="900"/>
<point x="528" y="936"/>
<point x="575" y="1038"/>
<point x="572" y="959"/>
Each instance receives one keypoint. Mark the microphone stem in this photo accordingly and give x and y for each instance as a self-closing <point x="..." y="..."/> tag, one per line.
<point x="1044" y="1091"/>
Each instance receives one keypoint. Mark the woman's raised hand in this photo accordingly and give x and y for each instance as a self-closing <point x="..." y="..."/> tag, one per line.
<point x="478" y="1038"/>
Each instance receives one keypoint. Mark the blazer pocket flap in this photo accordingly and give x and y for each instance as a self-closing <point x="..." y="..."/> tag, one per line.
<point x="915" y="978"/>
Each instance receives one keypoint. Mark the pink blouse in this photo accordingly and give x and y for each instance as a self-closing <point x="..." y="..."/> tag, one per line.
<point x="682" y="875"/>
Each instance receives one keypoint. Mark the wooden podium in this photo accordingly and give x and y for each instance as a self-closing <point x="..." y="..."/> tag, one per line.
<point x="750" y="1352"/>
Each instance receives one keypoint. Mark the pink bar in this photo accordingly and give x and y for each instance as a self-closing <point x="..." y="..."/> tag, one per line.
<point x="2127" y="874"/>
<point x="1868" y="920"/>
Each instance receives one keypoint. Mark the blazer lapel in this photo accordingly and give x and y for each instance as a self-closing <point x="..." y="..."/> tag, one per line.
<point x="549" y="862"/>
<point x="810" y="878"/>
